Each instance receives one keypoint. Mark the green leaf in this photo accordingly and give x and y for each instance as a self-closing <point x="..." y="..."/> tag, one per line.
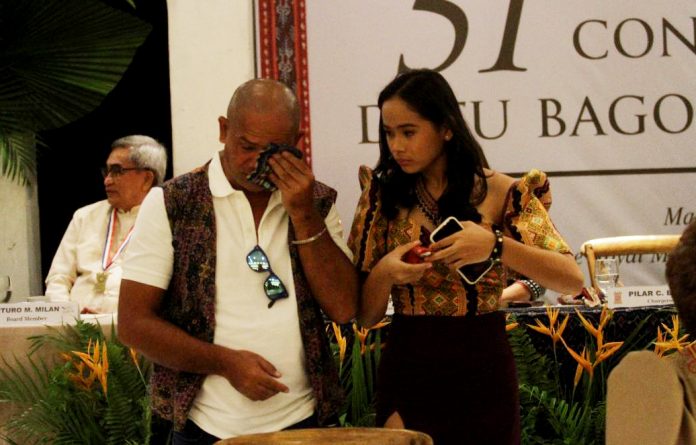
<point x="52" y="409"/>
<point x="58" y="60"/>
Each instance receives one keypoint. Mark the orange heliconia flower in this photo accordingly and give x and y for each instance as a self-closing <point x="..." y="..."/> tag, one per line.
<point x="134" y="356"/>
<point x="670" y="340"/>
<point x="604" y="317"/>
<point x="510" y="326"/>
<point x="80" y="379"/>
<point x="362" y="336"/>
<point x="553" y="330"/>
<point x="97" y="362"/>
<point x="602" y="350"/>
<point x="362" y="332"/>
<point x="341" y="340"/>
<point x="583" y="363"/>
<point x="583" y="360"/>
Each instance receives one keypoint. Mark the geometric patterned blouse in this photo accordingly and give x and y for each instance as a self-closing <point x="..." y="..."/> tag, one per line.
<point x="440" y="291"/>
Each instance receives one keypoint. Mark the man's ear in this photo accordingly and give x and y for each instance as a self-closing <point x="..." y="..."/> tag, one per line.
<point x="152" y="178"/>
<point x="222" y="123"/>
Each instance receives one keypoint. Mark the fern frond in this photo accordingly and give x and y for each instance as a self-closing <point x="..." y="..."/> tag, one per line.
<point x="532" y="367"/>
<point x="21" y="384"/>
<point x="572" y="423"/>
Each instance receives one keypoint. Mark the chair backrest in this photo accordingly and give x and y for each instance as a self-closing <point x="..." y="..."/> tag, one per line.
<point x="334" y="436"/>
<point x="624" y="245"/>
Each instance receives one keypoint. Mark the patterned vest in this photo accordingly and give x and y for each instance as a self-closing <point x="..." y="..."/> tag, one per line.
<point x="189" y="302"/>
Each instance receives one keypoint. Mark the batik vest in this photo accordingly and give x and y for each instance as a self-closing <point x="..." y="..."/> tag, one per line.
<point x="189" y="302"/>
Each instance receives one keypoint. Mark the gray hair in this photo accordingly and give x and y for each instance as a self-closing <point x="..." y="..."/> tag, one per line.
<point x="146" y="153"/>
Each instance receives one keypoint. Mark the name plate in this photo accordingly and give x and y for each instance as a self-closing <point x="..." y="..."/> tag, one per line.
<point x="633" y="296"/>
<point x="38" y="313"/>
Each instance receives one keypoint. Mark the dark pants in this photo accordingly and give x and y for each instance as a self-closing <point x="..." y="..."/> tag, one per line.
<point x="194" y="435"/>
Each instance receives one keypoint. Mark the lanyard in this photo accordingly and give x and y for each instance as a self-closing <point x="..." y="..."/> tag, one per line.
<point x="107" y="259"/>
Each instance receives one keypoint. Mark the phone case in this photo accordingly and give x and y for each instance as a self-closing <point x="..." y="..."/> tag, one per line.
<point x="448" y="227"/>
<point x="478" y="270"/>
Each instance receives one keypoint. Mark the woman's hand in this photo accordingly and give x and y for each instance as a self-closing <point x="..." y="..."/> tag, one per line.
<point x="398" y="270"/>
<point x="472" y="244"/>
<point x="390" y="270"/>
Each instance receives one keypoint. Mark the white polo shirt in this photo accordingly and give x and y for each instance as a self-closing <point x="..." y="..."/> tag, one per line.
<point x="243" y="319"/>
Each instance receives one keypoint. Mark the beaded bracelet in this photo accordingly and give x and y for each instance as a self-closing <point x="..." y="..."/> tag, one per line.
<point x="497" y="251"/>
<point x="533" y="287"/>
<point x="310" y="239"/>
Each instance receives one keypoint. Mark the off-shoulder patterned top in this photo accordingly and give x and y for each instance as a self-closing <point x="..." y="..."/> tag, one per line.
<point x="440" y="291"/>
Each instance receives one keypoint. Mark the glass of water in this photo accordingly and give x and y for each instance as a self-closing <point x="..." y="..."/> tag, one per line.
<point x="5" y="288"/>
<point x="606" y="273"/>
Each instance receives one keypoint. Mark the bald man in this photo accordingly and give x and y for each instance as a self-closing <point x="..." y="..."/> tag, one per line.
<point x="226" y="282"/>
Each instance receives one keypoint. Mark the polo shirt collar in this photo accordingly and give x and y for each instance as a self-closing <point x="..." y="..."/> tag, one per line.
<point x="219" y="185"/>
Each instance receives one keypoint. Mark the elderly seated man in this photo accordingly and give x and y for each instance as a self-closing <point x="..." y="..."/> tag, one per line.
<point x="87" y="265"/>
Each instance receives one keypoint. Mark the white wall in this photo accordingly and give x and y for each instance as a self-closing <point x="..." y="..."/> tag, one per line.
<point x="20" y="253"/>
<point x="211" y="52"/>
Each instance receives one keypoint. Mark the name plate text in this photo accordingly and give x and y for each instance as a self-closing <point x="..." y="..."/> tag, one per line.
<point x="633" y="296"/>
<point x="38" y="313"/>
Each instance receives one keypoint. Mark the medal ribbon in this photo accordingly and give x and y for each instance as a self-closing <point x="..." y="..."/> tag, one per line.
<point x="107" y="259"/>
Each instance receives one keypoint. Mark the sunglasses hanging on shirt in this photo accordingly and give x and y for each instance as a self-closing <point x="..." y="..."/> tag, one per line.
<point x="274" y="288"/>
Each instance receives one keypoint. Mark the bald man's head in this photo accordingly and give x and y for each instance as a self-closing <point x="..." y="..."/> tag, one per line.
<point x="265" y="96"/>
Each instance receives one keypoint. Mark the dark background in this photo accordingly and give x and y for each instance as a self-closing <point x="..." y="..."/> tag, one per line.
<point x="68" y="167"/>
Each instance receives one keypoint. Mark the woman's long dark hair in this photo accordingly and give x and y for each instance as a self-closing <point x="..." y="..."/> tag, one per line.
<point x="429" y="94"/>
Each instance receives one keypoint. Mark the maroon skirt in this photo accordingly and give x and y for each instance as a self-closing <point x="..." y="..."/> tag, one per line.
<point x="453" y="378"/>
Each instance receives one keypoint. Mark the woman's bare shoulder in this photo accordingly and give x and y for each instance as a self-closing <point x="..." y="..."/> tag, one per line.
<point x="498" y="187"/>
<point x="498" y="182"/>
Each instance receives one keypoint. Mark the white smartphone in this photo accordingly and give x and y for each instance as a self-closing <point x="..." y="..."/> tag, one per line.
<point x="448" y="227"/>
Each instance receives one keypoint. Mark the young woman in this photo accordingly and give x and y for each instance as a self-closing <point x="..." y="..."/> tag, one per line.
<point x="448" y="369"/>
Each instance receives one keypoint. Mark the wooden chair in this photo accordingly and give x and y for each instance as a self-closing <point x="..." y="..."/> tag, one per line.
<point x="624" y="245"/>
<point x="334" y="436"/>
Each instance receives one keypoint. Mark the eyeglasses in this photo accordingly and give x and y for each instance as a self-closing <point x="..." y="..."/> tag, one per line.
<point x="274" y="288"/>
<point x="116" y="170"/>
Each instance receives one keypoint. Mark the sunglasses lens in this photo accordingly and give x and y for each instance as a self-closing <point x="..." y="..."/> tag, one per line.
<point x="275" y="290"/>
<point x="257" y="260"/>
<point x="274" y="287"/>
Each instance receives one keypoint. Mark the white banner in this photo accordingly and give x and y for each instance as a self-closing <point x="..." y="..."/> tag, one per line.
<point x="598" y="94"/>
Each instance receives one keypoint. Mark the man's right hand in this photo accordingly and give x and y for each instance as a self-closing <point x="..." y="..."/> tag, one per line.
<point x="252" y="375"/>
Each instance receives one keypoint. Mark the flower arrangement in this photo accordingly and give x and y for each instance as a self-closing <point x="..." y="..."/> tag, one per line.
<point x="559" y="405"/>
<point x="358" y="370"/>
<point x="563" y="408"/>
<point x="95" y="392"/>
